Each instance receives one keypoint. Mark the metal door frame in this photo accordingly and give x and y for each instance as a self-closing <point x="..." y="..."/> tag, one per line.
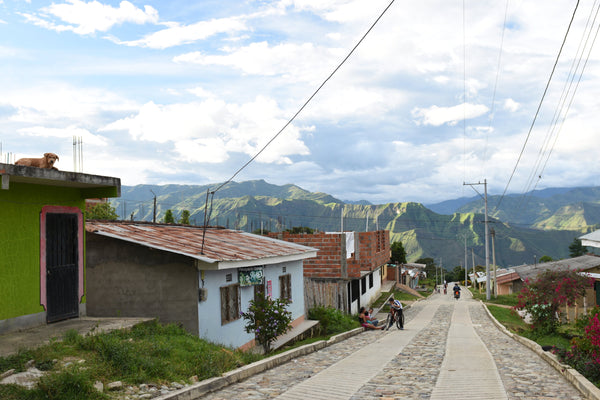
<point x="43" y="267"/>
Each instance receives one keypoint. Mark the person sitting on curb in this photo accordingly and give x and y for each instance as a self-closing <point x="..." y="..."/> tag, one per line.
<point x="371" y="318"/>
<point x="366" y="322"/>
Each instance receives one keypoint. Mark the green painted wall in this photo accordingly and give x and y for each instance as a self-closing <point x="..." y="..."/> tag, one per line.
<point x="20" y="208"/>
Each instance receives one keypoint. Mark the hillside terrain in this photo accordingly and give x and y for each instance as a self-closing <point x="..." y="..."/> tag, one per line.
<point x="544" y="223"/>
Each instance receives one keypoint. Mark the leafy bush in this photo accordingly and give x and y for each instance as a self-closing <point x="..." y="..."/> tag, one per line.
<point x="267" y="318"/>
<point x="331" y="320"/>
<point x="552" y="289"/>
<point x="584" y="354"/>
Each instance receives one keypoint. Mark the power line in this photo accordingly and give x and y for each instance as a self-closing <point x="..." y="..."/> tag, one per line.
<point x="309" y="99"/>
<point x="539" y="105"/>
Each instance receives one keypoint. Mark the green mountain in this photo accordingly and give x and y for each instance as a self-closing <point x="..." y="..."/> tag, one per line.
<point x="253" y="205"/>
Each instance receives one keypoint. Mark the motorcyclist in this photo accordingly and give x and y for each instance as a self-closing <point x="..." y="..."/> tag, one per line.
<point x="456" y="290"/>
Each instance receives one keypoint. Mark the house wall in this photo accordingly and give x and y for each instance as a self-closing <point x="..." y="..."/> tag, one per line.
<point x="232" y="333"/>
<point x="20" y="208"/>
<point x="129" y="280"/>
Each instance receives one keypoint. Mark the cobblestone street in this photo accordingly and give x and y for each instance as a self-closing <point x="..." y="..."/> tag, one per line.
<point x="415" y="370"/>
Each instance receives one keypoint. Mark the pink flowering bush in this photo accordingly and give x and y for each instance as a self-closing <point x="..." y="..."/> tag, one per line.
<point x="584" y="354"/>
<point x="267" y="318"/>
<point x="551" y="290"/>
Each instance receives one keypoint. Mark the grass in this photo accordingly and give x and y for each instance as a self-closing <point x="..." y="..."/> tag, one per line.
<point x="147" y="353"/>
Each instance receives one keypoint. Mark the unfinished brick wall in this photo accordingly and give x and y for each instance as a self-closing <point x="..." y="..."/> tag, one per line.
<point x="328" y="262"/>
<point x="371" y="250"/>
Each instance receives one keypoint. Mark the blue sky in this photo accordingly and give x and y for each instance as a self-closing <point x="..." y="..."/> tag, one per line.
<point x="187" y="92"/>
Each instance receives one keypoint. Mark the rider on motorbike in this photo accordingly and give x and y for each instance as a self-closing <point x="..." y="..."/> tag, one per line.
<point x="456" y="290"/>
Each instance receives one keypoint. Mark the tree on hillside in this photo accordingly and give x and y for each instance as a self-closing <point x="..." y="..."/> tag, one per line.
<point x="169" y="219"/>
<point x="101" y="211"/>
<point x="185" y="217"/>
<point x="576" y="249"/>
<point x="430" y="266"/>
<point x="457" y="274"/>
<point x="544" y="259"/>
<point x="398" y="253"/>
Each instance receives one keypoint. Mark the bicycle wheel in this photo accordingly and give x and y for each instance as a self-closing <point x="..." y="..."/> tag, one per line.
<point x="388" y="321"/>
<point x="398" y="320"/>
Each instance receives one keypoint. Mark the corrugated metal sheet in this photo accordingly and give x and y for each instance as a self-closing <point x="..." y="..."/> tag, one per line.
<point x="219" y="244"/>
<point x="582" y="263"/>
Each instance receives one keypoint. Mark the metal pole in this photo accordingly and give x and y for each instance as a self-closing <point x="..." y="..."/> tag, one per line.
<point x="487" y="249"/>
<point x="466" y="266"/>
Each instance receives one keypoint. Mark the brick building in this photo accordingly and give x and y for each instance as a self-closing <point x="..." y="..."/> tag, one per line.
<point x="348" y="270"/>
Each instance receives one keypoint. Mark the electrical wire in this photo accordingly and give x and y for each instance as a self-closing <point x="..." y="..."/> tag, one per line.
<point x="538" y="108"/>
<point x="309" y="99"/>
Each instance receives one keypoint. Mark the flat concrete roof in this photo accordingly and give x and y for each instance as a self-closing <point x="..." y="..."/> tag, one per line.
<point x="91" y="186"/>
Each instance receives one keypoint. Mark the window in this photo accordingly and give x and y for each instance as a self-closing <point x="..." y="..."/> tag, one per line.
<point x="370" y="281"/>
<point x="285" y="287"/>
<point x="363" y="285"/>
<point x="230" y="303"/>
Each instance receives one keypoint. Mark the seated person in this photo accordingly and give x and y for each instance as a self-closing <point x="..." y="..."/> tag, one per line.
<point x="371" y="318"/>
<point x="366" y="322"/>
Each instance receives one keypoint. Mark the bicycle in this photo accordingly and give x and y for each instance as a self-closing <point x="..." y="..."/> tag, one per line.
<point x="398" y="319"/>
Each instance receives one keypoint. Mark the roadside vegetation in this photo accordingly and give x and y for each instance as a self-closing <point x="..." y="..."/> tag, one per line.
<point x="577" y="343"/>
<point x="148" y="353"/>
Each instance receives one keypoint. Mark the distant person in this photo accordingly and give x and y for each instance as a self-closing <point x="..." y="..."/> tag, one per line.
<point x="456" y="291"/>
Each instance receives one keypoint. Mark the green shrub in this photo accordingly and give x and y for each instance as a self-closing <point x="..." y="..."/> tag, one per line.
<point x="71" y="384"/>
<point x="332" y="321"/>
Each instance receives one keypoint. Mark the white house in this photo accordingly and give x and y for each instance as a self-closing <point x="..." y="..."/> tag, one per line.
<point x="199" y="278"/>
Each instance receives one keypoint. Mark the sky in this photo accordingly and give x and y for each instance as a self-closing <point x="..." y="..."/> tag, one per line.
<point x="438" y="94"/>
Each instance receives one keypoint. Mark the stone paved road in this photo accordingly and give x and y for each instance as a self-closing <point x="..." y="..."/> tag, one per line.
<point x="414" y="371"/>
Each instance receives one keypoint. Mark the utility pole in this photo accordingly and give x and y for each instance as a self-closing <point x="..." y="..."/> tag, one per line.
<point x="154" y="214"/>
<point x="493" y="233"/>
<point x="466" y="265"/>
<point x="487" y="250"/>
<point x="342" y="218"/>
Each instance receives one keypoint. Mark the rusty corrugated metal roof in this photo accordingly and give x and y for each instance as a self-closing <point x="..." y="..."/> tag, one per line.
<point x="220" y="245"/>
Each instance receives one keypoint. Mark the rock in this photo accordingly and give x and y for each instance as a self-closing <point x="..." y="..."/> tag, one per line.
<point x="117" y="385"/>
<point x="7" y="374"/>
<point x="26" y="379"/>
<point x="30" y="364"/>
<point x="99" y="386"/>
<point x="194" y="379"/>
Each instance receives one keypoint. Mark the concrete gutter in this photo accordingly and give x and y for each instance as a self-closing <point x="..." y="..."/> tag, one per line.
<point x="228" y="378"/>
<point x="587" y="388"/>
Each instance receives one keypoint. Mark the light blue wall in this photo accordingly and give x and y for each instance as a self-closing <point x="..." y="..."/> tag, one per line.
<point x="232" y="333"/>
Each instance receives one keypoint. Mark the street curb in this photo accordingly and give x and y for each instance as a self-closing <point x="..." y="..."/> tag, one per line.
<point x="228" y="378"/>
<point x="587" y="388"/>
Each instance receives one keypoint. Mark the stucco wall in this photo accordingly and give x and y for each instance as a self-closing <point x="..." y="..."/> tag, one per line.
<point x="20" y="208"/>
<point x="129" y="280"/>
<point x="232" y="333"/>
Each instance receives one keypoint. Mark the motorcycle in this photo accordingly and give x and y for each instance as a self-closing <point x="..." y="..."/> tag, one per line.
<point x="457" y="294"/>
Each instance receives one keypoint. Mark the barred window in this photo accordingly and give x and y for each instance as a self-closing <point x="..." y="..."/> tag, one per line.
<point x="285" y="287"/>
<point x="230" y="303"/>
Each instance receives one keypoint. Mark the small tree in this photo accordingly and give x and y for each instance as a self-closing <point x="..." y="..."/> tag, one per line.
<point x="398" y="253"/>
<point x="552" y="289"/>
<point x="169" y="219"/>
<point x="185" y="217"/>
<point x="267" y="318"/>
<point x="576" y="249"/>
<point x="544" y="259"/>
<point x="101" y="211"/>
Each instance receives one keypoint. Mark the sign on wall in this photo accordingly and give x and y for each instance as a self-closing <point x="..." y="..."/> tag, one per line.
<point x="250" y="276"/>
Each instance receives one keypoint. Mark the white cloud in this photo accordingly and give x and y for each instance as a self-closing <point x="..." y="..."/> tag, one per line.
<point x="511" y="105"/>
<point x="177" y="34"/>
<point x="65" y="132"/>
<point x="91" y="17"/>
<point x="195" y="127"/>
<point x="262" y="59"/>
<point x="437" y="116"/>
